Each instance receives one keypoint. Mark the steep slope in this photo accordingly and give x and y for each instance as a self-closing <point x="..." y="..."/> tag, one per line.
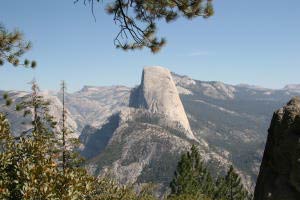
<point x="279" y="176"/>
<point x="144" y="141"/>
<point x="229" y="121"/>
<point x="144" y="148"/>
<point x="158" y="94"/>
<point x="233" y="120"/>
<point x="141" y="149"/>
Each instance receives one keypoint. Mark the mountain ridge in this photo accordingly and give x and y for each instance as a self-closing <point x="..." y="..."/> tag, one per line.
<point x="230" y="122"/>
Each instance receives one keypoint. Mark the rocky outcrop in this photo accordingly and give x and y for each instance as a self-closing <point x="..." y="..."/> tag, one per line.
<point x="158" y="94"/>
<point x="279" y="177"/>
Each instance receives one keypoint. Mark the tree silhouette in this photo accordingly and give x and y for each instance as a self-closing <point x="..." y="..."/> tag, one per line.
<point x="12" y="47"/>
<point x="191" y="176"/>
<point x="230" y="187"/>
<point x="137" y="19"/>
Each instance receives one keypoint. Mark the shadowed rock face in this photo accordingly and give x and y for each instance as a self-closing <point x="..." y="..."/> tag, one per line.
<point x="279" y="177"/>
<point x="158" y="94"/>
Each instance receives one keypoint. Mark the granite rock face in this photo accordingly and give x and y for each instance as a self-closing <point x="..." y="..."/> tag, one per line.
<point x="158" y="94"/>
<point x="279" y="177"/>
<point x="142" y="148"/>
<point x="146" y="142"/>
<point x="229" y="122"/>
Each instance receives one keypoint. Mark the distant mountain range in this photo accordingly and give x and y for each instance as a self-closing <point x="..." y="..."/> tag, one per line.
<point x="137" y="134"/>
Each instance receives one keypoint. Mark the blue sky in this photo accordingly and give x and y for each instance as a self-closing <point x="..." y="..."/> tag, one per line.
<point x="254" y="42"/>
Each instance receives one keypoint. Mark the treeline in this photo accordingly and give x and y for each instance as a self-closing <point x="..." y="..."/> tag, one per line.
<point x="43" y="163"/>
<point x="193" y="181"/>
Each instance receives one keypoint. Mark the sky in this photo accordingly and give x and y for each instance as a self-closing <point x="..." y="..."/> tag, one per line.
<point x="253" y="42"/>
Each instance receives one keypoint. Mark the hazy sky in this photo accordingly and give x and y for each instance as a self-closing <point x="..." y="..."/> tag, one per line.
<point x="254" y="42"/>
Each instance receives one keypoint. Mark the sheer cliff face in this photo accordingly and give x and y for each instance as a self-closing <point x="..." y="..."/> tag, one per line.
<point x="158" y="94"/>
<point x="146" y="142"/>
<point x="279" y="177"/>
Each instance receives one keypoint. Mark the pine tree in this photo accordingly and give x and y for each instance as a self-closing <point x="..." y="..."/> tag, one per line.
<point x="230" y="187"/>
<point x="38" y="146"/>
<point x="12" y="47"/>
<point x="7" y="99"/>
<point x="35" y="106"/>
<point x="31" y="171"/>
<point x="69" y="144"/>
<point x="137" y="19"/>
<point x="191" y="176"/>
<point x="73" y="174"/>
<point x="64" y="130"/>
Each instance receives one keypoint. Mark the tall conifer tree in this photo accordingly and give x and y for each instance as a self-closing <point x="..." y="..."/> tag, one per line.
<point x="230" y="187"/>
<point x="191" y="176"/>
<point x="31" y="171"/>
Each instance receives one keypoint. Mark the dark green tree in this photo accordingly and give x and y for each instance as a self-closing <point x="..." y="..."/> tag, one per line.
<point x="230" y="187"/>
<point x="7" y="99"/>
<point x="12" y="47"/>
<point x="137" y="19"/>
<point x="192" y="177"/>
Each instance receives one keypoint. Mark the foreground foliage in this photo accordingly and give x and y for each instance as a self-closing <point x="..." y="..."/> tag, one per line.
<point x="191" y="176"/>
<point x="12" y="47"/>
<point x="230" y="187"/>
<point x="192" y="180"/>
<point x="137" y="19"/>
<point x="38" y="165"/>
